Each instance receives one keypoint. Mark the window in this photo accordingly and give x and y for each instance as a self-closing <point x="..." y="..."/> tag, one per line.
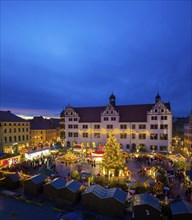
<point x="26" y="129"/>
<point x="155" y="110"/>
<point x="75" y="119"/>
<point x="111" y="112"/>
<point x="163" y="126"/>
<point x="14" y="124"/>
<point x="153" y="147"/>
<point x="163" y="148"/>
<point x="70" y="134"/>
<point x="142" y="136"/>
<point x="96" y="135"/>
<point x="5" y="124"/>
<point x="153" y="118"/>
<point x="105" y="118"/>
<point x="75" y="134"/>
<point x="9" y="124"/>
<point x="154" y="126"/>
<point x="85" y="126"/>
<point x="142" y="126"/>
<point x="85" y="135"/>
<point x="123" y="135"/>
<point x="162" y="110"/>
<point x="123" y="126"/>
<point x="5" y="139"/>
<point x="23" y="129"/>
<point x="10" y="139"/>
<point x="163" y="136"/>
<point x="75" y="126"/>
<point x="70" y="119"/>
<point x="23" y="137"/>
<point x="109" y="126"/>
<point x="15" y="138"/>
<point x="23" y="124"/>
<point x="10" y="130"/>
<point x="27" y="137"/>
<point x="128" y="146"/>
<point x="163" y="117"/>
<point x="96" y="126"/>
<point x="19" y="129"/>
<point x="133" y="126"/>
<point x="5" y="130"/>
<point x="153" y="136"/>
<point x="113" y="118"/>
<point x="14" y="129"/>
<point x="133" y="136"/>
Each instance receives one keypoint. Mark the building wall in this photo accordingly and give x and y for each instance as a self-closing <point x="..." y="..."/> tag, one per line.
<point x="188" y="134"/>
<point x="14" y="136"/>
<point x="42" y="137"/>
<point x="155" y="134"/>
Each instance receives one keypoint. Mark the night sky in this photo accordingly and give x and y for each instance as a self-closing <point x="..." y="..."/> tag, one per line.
<point x="55" y="53"/>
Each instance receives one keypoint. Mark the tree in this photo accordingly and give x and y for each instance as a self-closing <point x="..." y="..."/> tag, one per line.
<point x="113" y="158"/>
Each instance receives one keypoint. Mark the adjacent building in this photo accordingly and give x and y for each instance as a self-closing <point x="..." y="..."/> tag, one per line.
<point x="188" y="134"/>
<point x="14" y="133"/>
<point x="44" y="132"/>
<point x="146" y="127"/>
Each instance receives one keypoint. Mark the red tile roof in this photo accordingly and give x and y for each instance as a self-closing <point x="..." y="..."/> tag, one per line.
<point x="128" y="113"/>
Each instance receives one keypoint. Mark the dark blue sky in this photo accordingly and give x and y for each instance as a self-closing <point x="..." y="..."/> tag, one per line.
<point x="55" y="53"/>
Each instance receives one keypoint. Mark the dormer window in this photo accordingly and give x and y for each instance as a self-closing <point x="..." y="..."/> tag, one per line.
<point x="162" y="110"/>
<point x="155" y="110"/>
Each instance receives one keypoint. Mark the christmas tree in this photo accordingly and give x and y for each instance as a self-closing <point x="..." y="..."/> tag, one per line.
<point x="113" y="158"/>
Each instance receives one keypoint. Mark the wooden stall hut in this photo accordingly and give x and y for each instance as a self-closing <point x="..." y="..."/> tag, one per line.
<point x="181" y="210"/>
<point x="12" y="181"/>
<point x="51" y="190"/>
<point x="34" y="185"/>
<point x="70" y="193"/>
<point x="146" y="206"/>
<point x="109" y="202"/>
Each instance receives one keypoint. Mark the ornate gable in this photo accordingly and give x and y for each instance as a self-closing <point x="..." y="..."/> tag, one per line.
<point x="69" y="111"/>
<point x="159" y="108"/>
<point x="110" y="111"/>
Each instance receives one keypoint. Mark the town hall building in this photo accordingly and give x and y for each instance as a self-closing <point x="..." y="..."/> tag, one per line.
<point x="141" y="127"/>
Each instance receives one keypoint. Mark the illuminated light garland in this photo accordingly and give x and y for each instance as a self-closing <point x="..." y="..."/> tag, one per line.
<point x="113" y="131"/>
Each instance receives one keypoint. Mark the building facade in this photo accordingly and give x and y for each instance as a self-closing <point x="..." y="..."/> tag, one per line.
<point x="145" y="127"/>
<point x="188" y="134"/>
<point x="44" y="132"/>
<point x="14" y="133"/>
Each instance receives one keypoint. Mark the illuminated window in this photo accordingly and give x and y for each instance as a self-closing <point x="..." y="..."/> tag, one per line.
<point x="153" y="136"/>
<point x="96" y="135"/>
<point x="153" y="147"/>
<point x="163" y="136"/>
<point x="133" y="136"/>
<point x="142" y="136"/>
<point x="123" y="136"/>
